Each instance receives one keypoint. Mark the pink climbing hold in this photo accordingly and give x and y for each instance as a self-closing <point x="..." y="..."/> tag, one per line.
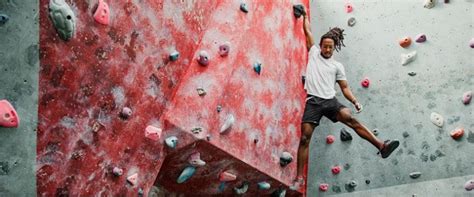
<point x="227" y="176"/>
<point x="323" y="187"/>
<point x="203" y="58"/>
<point x="153" y="133"/>
<point x="466" y="97"/>
<point x="133" y="179"/>
<point x="335" y="170"/>
<point x="102" y="15"/>
<point x="365" y="82"/>
<point x="330" y="139"/>
<point x="224" y="49"/>
<point x="8" y="116"/>
<point x="195" y="159"/>
<point x="457" y="133"/>
<point x="349" y="8"/>
<point x="469" y="185"/>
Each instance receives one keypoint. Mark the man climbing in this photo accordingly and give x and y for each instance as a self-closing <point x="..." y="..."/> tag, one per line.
<point x="322" y="73"/>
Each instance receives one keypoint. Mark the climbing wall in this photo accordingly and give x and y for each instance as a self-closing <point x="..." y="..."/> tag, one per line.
<point x="113" y="96"/>
<point x="400" y="99"/>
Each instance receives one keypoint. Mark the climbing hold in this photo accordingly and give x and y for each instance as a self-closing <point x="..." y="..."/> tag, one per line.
<point x="174" y="55"/>
<point x="208" y="137"/>
<point x="446" y="1"/>
<point x="242" y="189"/>
<point x="330" y="139"/>
<point x="303" y="79"/>
<point x="263" y="185"/>
<point x="429" y="4"/>
<point x="408" y="57"/>
<point x="8" y="116"/>
<point x="469" y="185"/>
<point x="196" y="130"/>
<point x="405" y="42"/>
<point x="405" y="134"/>
<point x="457" y="133"/>
<point x="420" y="38"/>
<point x="97" y="126"/>
<point x="133" y="179"/>
<point x="102" y="14"/>
<point x="335" y="170"/>
<point x="345" y="135"/>
<point x="285" y="159"/>
<point x="280" y="192"/>
<point x="117" y="171"/>
<point x="471" y="43"/>
<point x="412" y="73"/>
<point x="63" y="18"/>
<point x="298" y="10"/>
<point x="323" y="187"/>
<point x="415" y="175"/>
<point x="3" y="19"/>
<point x="365" y="82"/>
<point x="257" y="67"/>
<point x="255" y="140"/>
<point x="171" y="141"/>
<point x="221" y="187"/>
<point x="203" y="58"/>
<point x="351" y="21"/>
<point x="349" y="8"/>
<point x="437" y="119"/>
<point x="228" y="123"/>
<point x="227" y="176"/>
<point x="195" y="160"/>
<point x="466" y="97"/>
<point x="375" y="132"/>
<point x="219" y="108"/>
<point x="153" y="133"/>
<point x="126" y="113"/>
<point x="186" y="174"/>
<point x="201" y="91"/>
<point x="224" y="49"/>
<point x="140" y="192"/>
<point x="243" y="7"/>
<point x="367" y="181"/>
<point x="352" y="184"/>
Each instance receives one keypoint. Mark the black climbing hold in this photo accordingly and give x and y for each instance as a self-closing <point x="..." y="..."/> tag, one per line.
<point x="367" y="181"/>
<point x="3" y="19"/>
<point x="345" y="135"/>
<point x="405" y="134"/>
<point x="219" y="108"/>
<point x="415" y="175"/>
<point x="303" y="79"/>
<point x="285" y="159"/>
<point x="298" y="10"/>
<point x="255" y="140"/>
<point x="353" y="184"/>
<point x="243" y="7"/>
<point x="280" y="192"/>
<point x="412" y="73"/>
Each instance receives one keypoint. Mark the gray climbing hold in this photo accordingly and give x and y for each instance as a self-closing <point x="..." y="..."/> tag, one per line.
<point x="187" y="173"/>
<point x="412" y="73"/>
<point x="405" y="134"/>
<point x="263" y="185"/>
<point x="224" y="49"/>
<point x="352" y="184"/>
<point x="3" y="19"/>
<point x="285" y="159"/>
<point x="345" y="135"/>
<point x="196" y="130"/>
<point x="63" y="18"/>
<point x="467" y="97"/>
<point x="415" y="175"/>
<point x="351" y="22"/>
<point x="117" y="171"/>
<point x="298" y="10"/>
<point x="243" y="7"/>
<point x="171" y="141"/>
<point x="203" y="58"/>
<point x="201" y="91"/>
<point x="126" y="113"/>
<point x="230" y="120"/>
<point x="408" y="57"/>
<point x="437" y="119"/>
<point x="242" y="189"/>
<point x="420" y="38"/>
<point x="375" y="132"/>
<point x="429" y="4"/>
<point x="174" y="55"/>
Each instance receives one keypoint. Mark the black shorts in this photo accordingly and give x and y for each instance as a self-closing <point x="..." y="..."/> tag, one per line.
<point x="316" y="108"/>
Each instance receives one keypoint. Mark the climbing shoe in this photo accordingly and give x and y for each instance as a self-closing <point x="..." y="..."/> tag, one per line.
<point x="388" y="148"/>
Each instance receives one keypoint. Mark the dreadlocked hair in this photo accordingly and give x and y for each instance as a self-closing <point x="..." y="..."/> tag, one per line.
<point x="335" y="34"/>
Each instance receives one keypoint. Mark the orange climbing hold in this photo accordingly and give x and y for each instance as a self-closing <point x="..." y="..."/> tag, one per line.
<point x="405" y="42"/>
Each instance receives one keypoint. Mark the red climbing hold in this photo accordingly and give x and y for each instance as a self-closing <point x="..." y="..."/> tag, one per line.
<point x="349" y="8"/>
<point x="365" y="83"/>
<point x="335" y="170"/>
<point x="323" y="187"/>
<point x="405" y="42"/>
<point x="457" y="133"/>
<point x="101" y="15"/>
<point x="153" y="133"/>
<point x="330" y="139"/>
<point x="8" y="115"/>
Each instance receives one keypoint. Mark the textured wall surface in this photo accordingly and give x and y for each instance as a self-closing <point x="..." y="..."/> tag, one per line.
<point x="19" y="67"/>
<point x="395" y="102"/>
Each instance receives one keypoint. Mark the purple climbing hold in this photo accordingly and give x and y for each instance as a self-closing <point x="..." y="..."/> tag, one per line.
<point x="224" y="49"/>
<point x="243" y="7"/>
<point x="471" y="43"/>
<point x="420" y="38"/>
<point x="469" y="185"/>
<point x="117" y="171"/>
<point x="126" y="113"/>
<point x="3" y="19"/>
<point x="467" y="97"/>
<point x="203" y="58"/>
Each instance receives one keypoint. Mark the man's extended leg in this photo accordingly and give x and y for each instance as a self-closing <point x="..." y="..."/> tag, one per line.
<point x="303" y="149"/>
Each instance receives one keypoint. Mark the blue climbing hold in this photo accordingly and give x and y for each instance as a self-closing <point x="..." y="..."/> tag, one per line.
<point x="221" y="186"/>
<point x="243" y="7"/>
<point x="187" y="173"/>
<point x="174" y="55"/>
<point x="263" y="185"/>
<point x="257" y="66"/>
<point x="3" y="19"/>
<point x="171" y="141"/>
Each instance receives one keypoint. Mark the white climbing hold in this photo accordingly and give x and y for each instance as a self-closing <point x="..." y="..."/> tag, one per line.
<point x="133" y="179"/>
<point x="171" y="141"/>
<point x="227" y="176"/>
<point x="285" y="159"/>
<point x="228" y="123"/>
<point x="429" y="4"/>
<point x="153" y="133"/>
<point x="408" y="57"/>
<point x="201" y="91"/>
<point x="195" y="160"/>
<point x="437" y="119"/>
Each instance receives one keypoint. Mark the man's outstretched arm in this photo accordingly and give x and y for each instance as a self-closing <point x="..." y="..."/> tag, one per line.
<point x="307" y="31"/>
<point x="348" y="94"/>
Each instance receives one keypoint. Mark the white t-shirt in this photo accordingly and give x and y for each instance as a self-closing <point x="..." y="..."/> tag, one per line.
<point x="322" y="74"/>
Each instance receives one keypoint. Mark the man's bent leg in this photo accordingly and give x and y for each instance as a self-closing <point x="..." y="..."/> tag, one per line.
<point x="344" y="115"/>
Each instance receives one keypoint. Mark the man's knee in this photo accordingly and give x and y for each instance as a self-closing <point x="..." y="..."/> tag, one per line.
<point x="304" y="141"/>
